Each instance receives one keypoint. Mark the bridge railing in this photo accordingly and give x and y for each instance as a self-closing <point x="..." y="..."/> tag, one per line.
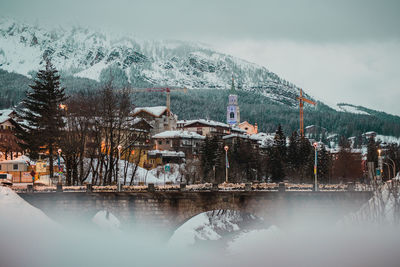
<point x="201" y="187"/>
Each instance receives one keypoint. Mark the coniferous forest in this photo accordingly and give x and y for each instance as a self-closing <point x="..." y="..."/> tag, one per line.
<point x="211" y="104"/>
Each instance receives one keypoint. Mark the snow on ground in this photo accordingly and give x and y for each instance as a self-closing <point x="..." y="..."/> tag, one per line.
<point x="93" y="72"/>
<point x="350" y="109"/>
<point x="211" y="225"/>
<point x="196" y="228"/>
<point x="157" y="175"/>
<point x="381" y="208"/>
<point x="26" y="233"/>
<point x="15" y="209"/>
<point x="106" y="220"/>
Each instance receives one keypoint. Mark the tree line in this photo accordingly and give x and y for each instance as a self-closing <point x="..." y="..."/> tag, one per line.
<point x="90" y="126"/>
<point x="90" y="130"/>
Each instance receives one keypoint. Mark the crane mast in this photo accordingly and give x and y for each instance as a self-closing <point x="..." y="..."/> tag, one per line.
<point x="302" y="99"/>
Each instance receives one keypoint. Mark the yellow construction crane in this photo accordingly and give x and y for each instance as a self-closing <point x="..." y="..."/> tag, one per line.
<point x="302" y="99"/>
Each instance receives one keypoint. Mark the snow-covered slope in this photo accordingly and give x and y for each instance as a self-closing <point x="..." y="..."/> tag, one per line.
<point x="14" y="209"/>
<point x="350" y="109"/>
<point x="86" y="53"/>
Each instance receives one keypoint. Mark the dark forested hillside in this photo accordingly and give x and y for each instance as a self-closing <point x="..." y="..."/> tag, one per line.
<point x="199" y="103"/>
<point x="12" y="88"/>
<point x="269" y="114"/>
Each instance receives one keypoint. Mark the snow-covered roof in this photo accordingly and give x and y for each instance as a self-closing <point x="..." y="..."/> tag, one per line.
<point x="5" y="115"/>
<point x="264" y="139"/>
<point x="208" y="123"/>
<point x="244" y="136"/>
<point x="179" y="134"/>
<point x="21" y="159"/>
<point x="235" y="129"/>
<point x="137" y="120"/>
<point x="332" y="136"/>
<point x="155" y="111"/>
<point x="261" y="136"/>
<point x="166" y="153"/>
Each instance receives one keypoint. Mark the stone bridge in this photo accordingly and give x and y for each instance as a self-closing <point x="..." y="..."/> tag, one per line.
<point x="169" y="210"/>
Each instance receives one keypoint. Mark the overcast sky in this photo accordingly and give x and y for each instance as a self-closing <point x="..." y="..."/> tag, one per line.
<point x="338" y="51"/>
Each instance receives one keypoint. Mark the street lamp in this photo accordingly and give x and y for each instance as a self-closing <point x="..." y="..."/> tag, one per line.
<point x="119" y="156"/>
<point x="226" y="163"/>
<point x="390" y="166"/>
<point x="394" y="166"/>
<point x="59" y="165"/>
<point x="380" y="163"/>
<point x="315" y="166"/>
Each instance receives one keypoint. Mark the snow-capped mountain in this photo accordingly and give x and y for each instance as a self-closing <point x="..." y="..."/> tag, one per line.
<point x="86" y="53"/>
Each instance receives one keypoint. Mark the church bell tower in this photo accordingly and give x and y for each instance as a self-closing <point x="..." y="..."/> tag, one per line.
<point x="233" y="112"/>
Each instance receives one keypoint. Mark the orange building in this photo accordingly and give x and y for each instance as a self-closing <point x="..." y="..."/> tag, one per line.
<point x="249" y="128"/>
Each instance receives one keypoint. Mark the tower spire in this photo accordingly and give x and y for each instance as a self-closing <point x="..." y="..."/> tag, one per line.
<point x="233" y="84"/>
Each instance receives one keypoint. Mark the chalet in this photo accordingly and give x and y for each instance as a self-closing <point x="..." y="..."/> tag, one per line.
<point x="19" y="168"/>
<point x="264" y="140"/>
<point x="160" y="118"/>
<point x="137" y="141"/>
<point x="314" y="131"/>
<point x="208" y="127"/>
<point x="8" y="141"/>
<point x="188" y="142"/>
<point x="235" y="138"/>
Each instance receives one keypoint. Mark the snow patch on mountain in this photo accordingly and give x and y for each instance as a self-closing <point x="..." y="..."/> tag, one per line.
<point x="86" y="53"/>
<point x="350" y="109"/>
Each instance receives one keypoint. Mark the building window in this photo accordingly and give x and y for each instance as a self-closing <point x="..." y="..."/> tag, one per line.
<point x="167" y="142"/>
<point x="232" y="115"/>
<point x="15" y="166"/>
<point x="160" y="142"/>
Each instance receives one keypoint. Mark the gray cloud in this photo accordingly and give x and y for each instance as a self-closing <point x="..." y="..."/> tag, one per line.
<point x="312" y="20"/>
<point x="340" y="51"/>
<point x="362" y="73"/>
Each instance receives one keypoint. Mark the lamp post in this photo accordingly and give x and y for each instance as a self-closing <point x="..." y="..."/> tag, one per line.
<point x="380" y="163"/>
<point x="226" y="163"/>
<point x="119" y="156"/>
<point x="315" y="166"/>
<point x="59" y="165"/>
<point x="390" y="166"/>
<point x="394" y="167"/>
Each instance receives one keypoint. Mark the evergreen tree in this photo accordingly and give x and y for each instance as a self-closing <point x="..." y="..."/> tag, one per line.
<point x="278" y="156"/>
<point x="292" y="151"/>
<point x="306" y="160"/>
<point x="372" y="154"/>
<point x="42" y="114"/>
<point x="324" y="165"/>
<point x="280" y="142"/>
<point x="212" y="156"/>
